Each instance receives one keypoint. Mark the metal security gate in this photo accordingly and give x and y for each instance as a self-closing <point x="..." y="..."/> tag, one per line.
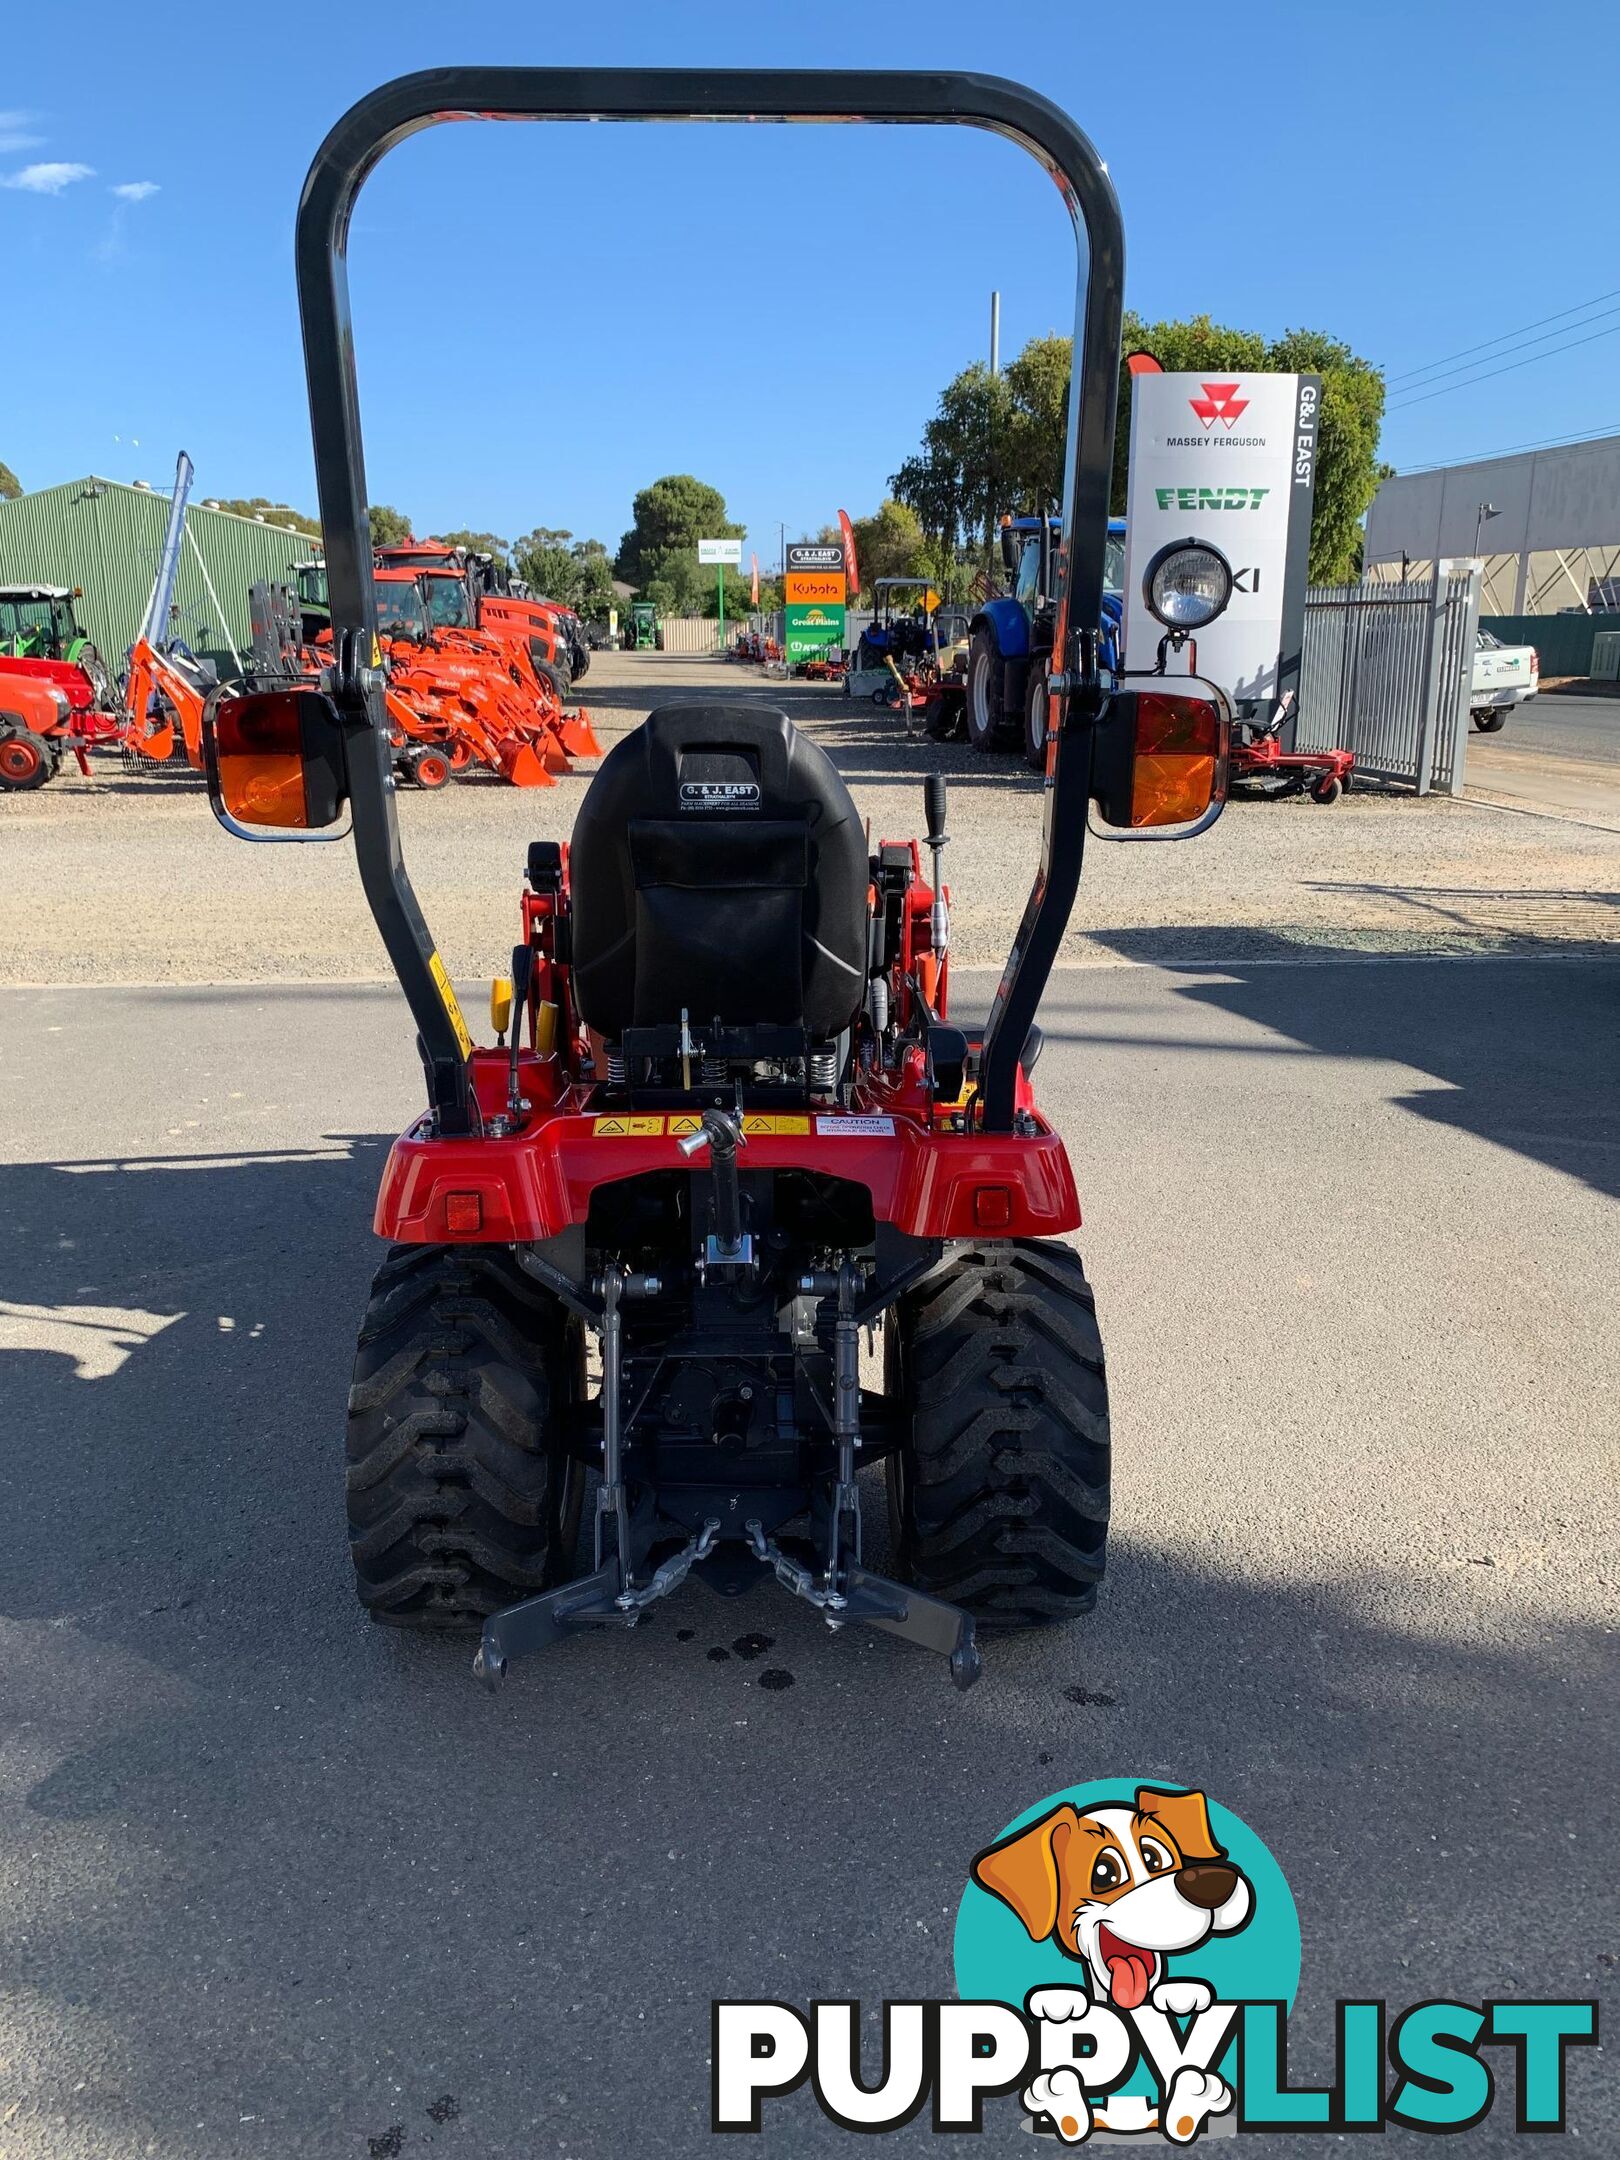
<point x="1386" y="672"/>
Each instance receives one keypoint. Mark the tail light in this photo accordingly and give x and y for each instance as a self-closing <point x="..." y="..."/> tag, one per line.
<point x="274" y="758"/>
<point x="1161" y="758"/>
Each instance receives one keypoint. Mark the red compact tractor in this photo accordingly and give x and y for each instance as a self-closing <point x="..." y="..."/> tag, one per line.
<point x="728" y="1121"/>
<point x="55" y="693"/>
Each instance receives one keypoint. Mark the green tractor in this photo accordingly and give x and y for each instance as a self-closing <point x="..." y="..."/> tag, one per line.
<point x="40" y="636"/>
<point x="643" y="631"/>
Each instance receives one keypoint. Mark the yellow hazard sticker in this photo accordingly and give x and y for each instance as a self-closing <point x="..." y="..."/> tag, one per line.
<point x="376" y="651"/>
<point x="756" y="1126"/>
<point x="447" y="998"/>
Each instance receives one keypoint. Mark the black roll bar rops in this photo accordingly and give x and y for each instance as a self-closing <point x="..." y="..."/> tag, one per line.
<point x="401" y="108"/>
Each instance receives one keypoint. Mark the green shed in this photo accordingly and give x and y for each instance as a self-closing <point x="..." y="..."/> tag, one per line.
<point x="105" y="537"/>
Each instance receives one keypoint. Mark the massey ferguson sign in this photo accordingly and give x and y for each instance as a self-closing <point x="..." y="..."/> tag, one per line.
<point x="1232" y="461"/>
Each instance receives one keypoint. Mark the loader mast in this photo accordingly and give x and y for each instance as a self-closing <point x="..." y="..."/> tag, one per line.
<point x="155" y="622"/>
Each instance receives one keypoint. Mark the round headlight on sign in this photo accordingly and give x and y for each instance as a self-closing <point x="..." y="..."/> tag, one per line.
<point x="1187" y="584"/>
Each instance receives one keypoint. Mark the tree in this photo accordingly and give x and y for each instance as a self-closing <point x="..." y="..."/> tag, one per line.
<point x="1348" y="469"/>
<point x="671" y="516"/>
<point x="890" y="543"/>
<point x="10" y="485"/>
<point x="675" y="582"/>
<point x="1006" y="448"/>
<point x="957" y="484"/>
<point x="1038" y="425"/>
<point x="476" y="543"/>
<point x="388" y="525"/>
<point x="594" y="594"/>
<point x="575" y="573"/>
<point x="263" y="510"/>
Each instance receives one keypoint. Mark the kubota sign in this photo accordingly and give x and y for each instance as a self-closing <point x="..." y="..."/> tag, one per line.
<point x="812" y="586"/>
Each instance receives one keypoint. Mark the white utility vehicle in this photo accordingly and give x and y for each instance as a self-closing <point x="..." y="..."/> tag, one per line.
<point x="1504" y="676"/>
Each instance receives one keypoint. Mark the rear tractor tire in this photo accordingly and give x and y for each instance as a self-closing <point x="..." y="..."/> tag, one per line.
<point x="553" y="676"/>
<point x="1037" y="718"/>
<point x="999" y="1490"/>
<point x="983" y="712"/>
<point x="461" y="1499"/>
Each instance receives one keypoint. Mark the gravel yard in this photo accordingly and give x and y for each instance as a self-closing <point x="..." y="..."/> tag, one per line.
<point x="127" y="877"/>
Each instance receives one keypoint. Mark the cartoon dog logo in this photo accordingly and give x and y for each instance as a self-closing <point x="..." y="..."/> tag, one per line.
<point x="1121" y="1890"/>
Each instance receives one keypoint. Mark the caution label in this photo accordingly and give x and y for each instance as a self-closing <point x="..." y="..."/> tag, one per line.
<point x="447" y="998"/>
<point x="855" y="1128"/>
<point x="755" y="1127"/>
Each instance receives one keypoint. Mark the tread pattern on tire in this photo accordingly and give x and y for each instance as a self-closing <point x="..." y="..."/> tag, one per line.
<point x="1002" y="1500"/>
<point x="454" y="1493"/>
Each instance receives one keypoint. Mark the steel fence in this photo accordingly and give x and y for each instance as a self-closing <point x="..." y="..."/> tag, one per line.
<point x="694" y="633"/>
<point x="1386" y="671"/>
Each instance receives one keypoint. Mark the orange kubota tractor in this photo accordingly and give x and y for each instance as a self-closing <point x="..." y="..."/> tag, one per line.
<point x="550" y="633"/>
<point x="462" y="692"/>
<point x="504" y="647"/>
<point x="448" y="712"/>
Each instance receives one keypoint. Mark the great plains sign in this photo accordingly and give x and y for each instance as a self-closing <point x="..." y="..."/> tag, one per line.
<point x="1230" y="460"/>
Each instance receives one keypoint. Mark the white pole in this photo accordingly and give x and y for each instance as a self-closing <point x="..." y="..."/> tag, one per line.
<point x="995" y="333"/>
<point x="214" y="597"/>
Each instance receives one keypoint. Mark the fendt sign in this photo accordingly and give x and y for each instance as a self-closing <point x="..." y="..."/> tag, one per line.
<point x="1231" y="461"/>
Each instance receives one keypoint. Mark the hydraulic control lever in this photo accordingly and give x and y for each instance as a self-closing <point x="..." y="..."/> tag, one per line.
<point x="722" y="1134"/>
<point x="522" y="977"/>
<point x="939" y="919"/>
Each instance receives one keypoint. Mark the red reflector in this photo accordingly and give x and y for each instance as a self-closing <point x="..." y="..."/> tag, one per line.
<point x="992" y="1207"/>
<point x="463" y="1213"/>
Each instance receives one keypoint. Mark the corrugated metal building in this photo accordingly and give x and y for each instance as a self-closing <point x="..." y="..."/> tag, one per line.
<point x="105" y="537"/>
<point x="1550" y="542"/>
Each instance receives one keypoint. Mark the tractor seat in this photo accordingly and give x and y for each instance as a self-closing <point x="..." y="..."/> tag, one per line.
<point x="718" y="867"/>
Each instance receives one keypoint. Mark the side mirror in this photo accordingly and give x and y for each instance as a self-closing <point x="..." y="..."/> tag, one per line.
<point x="276" y="763"/>
<point x="1010" y="549"/>
<point x="1159" y="771"/>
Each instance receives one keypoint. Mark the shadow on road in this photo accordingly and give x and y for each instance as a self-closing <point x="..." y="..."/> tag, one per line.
<point x="1520" y="1043"/>
<point x="294" y="1870"/>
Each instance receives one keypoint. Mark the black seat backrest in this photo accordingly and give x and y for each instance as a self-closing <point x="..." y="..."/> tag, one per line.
<point x="718" y="866"/>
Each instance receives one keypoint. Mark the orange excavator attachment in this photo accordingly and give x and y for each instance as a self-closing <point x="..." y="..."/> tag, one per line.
<point x="150" y="672"/>
<point x="158" y="744"/>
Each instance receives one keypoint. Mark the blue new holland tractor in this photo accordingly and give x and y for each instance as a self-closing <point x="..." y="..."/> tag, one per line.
<point x="1006" y="694"/>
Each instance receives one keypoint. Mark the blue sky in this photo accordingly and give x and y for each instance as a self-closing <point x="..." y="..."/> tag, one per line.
<point x="548" y="318"/>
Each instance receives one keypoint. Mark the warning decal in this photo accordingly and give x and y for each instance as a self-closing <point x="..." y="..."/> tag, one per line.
<point x="855" y="1128"/>
<point x="755" y="1126"/>
<point x="447" y="998"/>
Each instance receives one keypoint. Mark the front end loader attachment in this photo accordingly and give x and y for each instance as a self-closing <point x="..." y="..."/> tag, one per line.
<point x="576" y="735"/>
<point x="521" y="764"/>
